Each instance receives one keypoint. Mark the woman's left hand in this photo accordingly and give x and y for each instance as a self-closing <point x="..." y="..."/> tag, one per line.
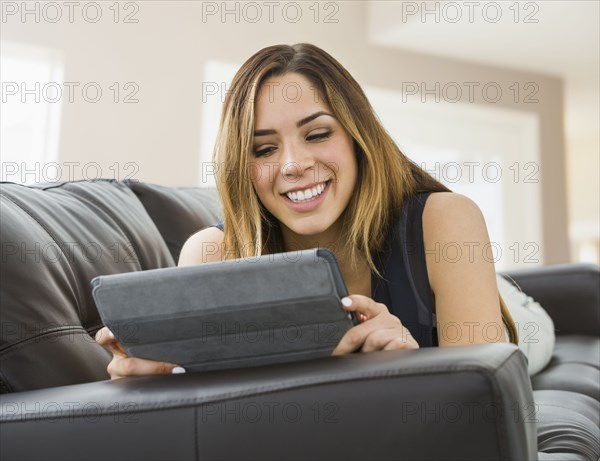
<point x="378" y="330"/>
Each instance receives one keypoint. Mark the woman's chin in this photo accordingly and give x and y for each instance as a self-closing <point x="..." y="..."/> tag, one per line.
<point x="308" y="230"/>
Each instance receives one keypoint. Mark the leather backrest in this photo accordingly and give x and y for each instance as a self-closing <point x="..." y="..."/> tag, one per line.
<point x="569" y="292"/>
<point x="178" y="212"/>
<point x="55" y="238"/>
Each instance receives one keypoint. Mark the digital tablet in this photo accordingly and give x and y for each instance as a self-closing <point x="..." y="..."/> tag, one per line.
<point x="231" y="314"/>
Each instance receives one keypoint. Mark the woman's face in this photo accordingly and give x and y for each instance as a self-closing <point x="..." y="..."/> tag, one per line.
<point x="303" y="166"/>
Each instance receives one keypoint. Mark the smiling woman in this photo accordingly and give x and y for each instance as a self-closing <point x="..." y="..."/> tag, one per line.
<point x="311" y="149"/>
<point x="306" y="163"/>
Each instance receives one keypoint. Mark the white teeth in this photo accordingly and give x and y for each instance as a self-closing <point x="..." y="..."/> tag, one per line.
<point x="307" y="194"/>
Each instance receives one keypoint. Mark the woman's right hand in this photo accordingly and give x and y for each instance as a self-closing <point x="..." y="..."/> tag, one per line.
<point x="122" y="365"/>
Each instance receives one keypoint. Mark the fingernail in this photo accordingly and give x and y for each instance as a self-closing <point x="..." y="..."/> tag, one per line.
<point x="178" y="370"/>
<point x="110" y="333"/>
<point x="347" y="302"/>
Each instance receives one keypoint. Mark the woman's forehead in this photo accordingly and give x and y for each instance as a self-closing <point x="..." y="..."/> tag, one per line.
<point x="290" y="95"/>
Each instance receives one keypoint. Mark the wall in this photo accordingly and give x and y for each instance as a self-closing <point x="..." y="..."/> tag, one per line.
<point x="165" y="52"/>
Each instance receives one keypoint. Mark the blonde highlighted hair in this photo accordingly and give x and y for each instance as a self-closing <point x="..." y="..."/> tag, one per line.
<point x="386" y="177"/>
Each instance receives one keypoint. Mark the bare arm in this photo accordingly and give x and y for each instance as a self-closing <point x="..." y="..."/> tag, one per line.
<point x="464" y="282"/>
<point x="202" y="247"/>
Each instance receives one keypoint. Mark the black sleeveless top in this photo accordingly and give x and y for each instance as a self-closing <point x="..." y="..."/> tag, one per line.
<point x="405" y="288"/>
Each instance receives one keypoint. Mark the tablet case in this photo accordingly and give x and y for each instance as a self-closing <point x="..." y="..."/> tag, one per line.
<point x="236" y="313"/>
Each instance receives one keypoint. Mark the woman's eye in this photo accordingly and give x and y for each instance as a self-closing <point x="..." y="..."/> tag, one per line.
<point x="266" y="151"/>
<point x="319" y="136"/>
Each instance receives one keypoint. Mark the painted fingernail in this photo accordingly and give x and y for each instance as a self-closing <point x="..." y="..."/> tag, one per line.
<point x="178" y="370"/>
<point x="347" y="302"/>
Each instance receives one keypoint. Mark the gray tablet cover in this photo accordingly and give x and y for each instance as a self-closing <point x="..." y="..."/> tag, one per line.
<point x="236" y="313"/>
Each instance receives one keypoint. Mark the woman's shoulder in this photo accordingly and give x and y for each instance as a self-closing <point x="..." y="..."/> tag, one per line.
<point x="454" y="221"/>
<point x="446" y="207"/>
<point x="202" y="247"/>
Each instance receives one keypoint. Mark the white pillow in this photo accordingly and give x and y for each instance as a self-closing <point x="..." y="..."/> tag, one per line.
<point x="534" y="325"/>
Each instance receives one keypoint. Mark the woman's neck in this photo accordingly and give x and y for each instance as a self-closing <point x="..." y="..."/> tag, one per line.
<point x="294" y="242"/>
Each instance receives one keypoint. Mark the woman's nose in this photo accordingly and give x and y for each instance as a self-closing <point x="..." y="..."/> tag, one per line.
<point x="295" y="161"/>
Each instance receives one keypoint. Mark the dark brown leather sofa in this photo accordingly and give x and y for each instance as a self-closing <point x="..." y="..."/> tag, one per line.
<point x="461" y="403"/>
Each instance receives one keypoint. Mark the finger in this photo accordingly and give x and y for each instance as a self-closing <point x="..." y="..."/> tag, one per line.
<point x="404" y="341"/>
<point x="350" y="342"/>
<point x="133" y="366"/>
<point x="106" y="339"/>
<point x="354" y="338"/>
<point x="378" y="339"/>
<point x="364" y="305"/>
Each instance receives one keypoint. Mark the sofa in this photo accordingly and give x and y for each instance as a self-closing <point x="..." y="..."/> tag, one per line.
<point x="57" y="402"/>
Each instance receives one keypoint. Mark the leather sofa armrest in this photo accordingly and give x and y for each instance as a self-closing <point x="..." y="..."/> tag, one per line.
<point x="570" y="293"/>
<point x="464" y="402"/>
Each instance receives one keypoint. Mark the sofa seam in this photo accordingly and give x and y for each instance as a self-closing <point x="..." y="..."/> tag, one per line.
<point x="4" y="384"/>
<point x="42" y="186"/>
<point x="196" y="431"/>
<point x="560" y="406"/>
<point x="50" y="234"/>
<point x="500" y="429"/>
<point x="570" y="362"/>
<point x="267" y="390"/>
<point x="15" y="347"/>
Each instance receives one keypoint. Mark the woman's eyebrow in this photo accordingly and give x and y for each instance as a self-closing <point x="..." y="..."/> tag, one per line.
<point x="310" y="118"/>
<point x="300" y="123"/>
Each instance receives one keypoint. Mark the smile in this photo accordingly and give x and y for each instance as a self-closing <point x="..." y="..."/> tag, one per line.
<point x="307" y="195"/>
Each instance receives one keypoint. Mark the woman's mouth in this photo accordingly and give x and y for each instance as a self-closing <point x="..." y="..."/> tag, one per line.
<point x="306" y="199"/>
<point x="308" y="194"/>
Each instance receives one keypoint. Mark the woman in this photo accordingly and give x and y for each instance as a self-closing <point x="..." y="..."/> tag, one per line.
<point x="304" y="162"/>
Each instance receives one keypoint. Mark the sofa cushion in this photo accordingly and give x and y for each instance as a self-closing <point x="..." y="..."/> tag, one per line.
<point x="178" y="212"/>
<point x="574" y="367"/>
<point x="55" y="239"/>
<point x="577" y="349"/>
<point x="567" y="425"/>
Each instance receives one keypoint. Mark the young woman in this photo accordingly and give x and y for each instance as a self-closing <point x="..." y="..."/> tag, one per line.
<point x="303" y="162"/>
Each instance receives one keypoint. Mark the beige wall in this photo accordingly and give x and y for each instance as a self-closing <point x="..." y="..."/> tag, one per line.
<point x="583" y="189"/>
<point x="165" y="53"/>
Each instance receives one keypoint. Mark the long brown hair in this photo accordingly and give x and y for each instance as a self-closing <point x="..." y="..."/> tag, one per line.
<point x="386" y="177"/>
